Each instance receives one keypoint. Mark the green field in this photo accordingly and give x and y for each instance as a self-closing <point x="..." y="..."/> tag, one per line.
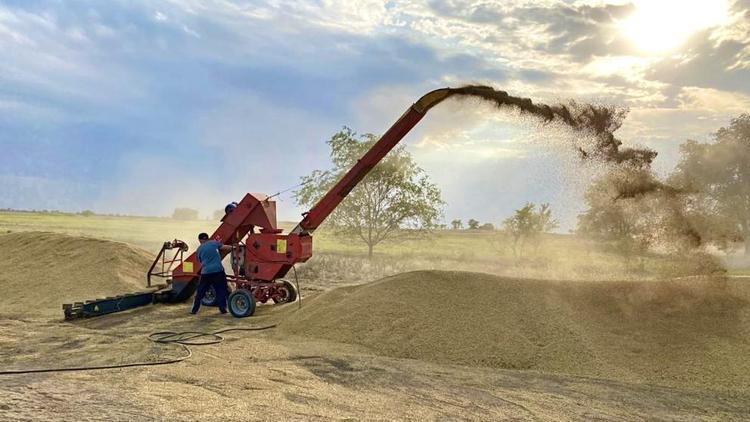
<point x="145" y="232"/>
<point x="150" y="232"/>
<point x="343" y="260"/>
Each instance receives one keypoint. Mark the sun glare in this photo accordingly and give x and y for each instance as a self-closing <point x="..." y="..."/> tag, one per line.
<point x="661" y="25"/>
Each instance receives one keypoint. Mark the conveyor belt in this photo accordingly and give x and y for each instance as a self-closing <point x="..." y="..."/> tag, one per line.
<point x="108" y="305"/>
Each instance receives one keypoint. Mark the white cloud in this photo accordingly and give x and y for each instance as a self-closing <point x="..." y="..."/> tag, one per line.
<point x="190" y="31"/>
<point x="713" y="101"/>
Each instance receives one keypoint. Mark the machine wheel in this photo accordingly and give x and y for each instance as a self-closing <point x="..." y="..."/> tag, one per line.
<point x="287" y="293"/>
<point x="241" y="303"/>
<point x="209" y="299"/>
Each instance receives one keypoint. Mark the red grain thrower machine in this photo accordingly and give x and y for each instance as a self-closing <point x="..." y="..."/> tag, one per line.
<point x="261" y="256"/>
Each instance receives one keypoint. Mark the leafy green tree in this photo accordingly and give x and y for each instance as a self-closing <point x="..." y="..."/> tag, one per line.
<point x="395" y="199"/>
<point x="473" y="224"/>
<point x="526" y="224"/>
<point x="717" y="175"/>
<point x="457" y="224"/>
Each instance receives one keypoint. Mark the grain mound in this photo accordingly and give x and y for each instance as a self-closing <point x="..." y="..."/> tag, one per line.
<point x="40" y="271"/>
<point x="691" y="333"/>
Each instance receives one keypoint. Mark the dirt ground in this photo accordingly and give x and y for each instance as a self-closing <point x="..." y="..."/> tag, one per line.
<point x="518" y="350"/>
<point x="256" y="376"/>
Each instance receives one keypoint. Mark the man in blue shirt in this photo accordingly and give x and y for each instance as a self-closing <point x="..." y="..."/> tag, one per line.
<point x="212" y="272"/>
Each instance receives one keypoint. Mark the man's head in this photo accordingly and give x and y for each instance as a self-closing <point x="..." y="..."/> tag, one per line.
<point x="203" y="237"/>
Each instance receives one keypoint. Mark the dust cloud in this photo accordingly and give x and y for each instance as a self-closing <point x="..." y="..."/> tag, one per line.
<point x="599" y="123"/>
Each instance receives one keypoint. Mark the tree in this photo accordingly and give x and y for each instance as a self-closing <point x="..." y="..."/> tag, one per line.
<point x="473" y="224"/>
<point x="526" y="224"/>
<point x="457" y="224"/>
<point x="544" y="222"/>
<point x="627" y="225"/>
<point x="395" y="199"/>
<point x="218" y="214"/>
<point x="87" y="213"/>
<point x="487" y="226"/>
<point x="717" y="175"/>
<point x="185" y="214"/>
<point x="518" y="225"/>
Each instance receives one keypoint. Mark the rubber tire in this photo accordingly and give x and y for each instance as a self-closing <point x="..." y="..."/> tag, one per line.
<point x="210" y="298"/>
<point x="292" y="292"/>
<point x="236" y="301"/>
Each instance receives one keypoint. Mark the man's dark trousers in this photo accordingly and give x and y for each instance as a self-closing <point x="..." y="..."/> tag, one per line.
<point x="219" y="283"/>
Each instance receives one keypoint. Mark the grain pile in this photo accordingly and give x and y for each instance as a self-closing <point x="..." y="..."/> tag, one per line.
<point x="40" y="271"/>
<point x="689" y="333"/>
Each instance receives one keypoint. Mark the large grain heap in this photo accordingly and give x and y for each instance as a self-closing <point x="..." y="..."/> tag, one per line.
<point x="40" y="271"/>
<point x="688" y="333"/>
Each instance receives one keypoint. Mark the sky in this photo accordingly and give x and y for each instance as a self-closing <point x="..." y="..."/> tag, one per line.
<point x="142" y="106"/>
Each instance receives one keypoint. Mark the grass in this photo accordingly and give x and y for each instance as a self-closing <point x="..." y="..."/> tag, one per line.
<point x="145" y="232"/>
<point x="150" y="232"/>
<point x="345" y="260"/>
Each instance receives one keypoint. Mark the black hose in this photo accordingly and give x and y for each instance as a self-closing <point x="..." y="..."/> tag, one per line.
<point x="188" y="338"/>
<point x="183" y="339"/>
<point x="299" y="292"/>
